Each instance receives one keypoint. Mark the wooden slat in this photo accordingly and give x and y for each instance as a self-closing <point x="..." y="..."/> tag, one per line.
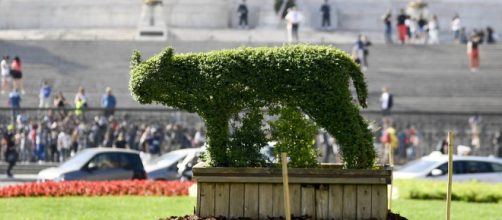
<point x="278" y="201"/>
<point x="197" y="211"/>
<point x="335" y="202"/>
<point x="296" y="199"/>
<point x="222" y="200"/>
<point x="265" y="205"/>
<point x="236" y="200"/>
<point x="349" y="201"/>
<point x="322" y="195"/>
<point x="379" y="202"/>
<point x="206" y="199"/>
<point x="364" y="201"/>
<point x="304" y="180"/>
<point x="251" y="201"/>
<point x="308" y="201"/>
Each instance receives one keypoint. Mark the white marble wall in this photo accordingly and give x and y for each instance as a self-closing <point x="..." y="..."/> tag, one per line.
<point x="354" y="15"/>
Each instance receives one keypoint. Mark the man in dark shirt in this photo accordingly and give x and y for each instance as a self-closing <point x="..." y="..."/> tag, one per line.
<point x="243" y="14"/>
<point x="401" y="26"/>
<point x="10" y="153"/>
<point x="326" y="11"/>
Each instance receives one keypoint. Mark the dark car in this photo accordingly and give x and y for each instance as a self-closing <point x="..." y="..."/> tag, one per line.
<point x="98" y="164"/>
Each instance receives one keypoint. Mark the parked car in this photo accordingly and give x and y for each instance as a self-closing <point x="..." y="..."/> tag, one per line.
<point x="97" y="164"/>
<point x="483" y="169"/>
<point x="174" y="165"/>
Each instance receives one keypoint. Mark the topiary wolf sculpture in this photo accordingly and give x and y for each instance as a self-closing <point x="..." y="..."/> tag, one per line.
<point x="219" y="84"/>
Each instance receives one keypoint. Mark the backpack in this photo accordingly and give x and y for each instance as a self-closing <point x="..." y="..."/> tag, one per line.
<point x="391" y="101"/>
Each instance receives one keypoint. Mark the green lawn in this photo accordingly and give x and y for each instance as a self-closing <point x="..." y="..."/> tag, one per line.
<point x="434" y="209"/>
<point x="88" y="208"/>
<point x="153" y="208"/>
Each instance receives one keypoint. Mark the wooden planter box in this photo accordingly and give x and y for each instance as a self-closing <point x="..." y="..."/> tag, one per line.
<point x="328" y="192"/>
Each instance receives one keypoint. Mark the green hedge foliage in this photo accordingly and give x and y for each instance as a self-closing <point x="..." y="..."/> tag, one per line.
<point x="219" y="84"/>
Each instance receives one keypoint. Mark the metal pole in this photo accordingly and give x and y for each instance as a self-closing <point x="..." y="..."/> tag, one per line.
<point x="287" y="207"/>
<point x="391" y="163"/>
<point x="450" y="174"/>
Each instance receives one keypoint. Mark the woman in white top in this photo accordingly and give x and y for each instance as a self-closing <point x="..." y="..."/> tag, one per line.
<point x="5" y="69"/>
<point x="456" y="25"/>
<point x="81" y="96"/>
<point x="433" y="30"/>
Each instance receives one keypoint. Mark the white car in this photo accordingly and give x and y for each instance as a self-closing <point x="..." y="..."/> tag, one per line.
<point x="174" y="165"/>
<point x="465" y="168"/>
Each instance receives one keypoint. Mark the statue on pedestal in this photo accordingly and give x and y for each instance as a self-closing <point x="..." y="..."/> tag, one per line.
<point x="152" y="25"/>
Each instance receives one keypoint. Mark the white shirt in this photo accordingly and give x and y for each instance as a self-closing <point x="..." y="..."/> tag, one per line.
<point x="5" y="68"/>
<point x="294" y="17"/>
<point x="455" y="24"/>
<point x="63" y="141"/>
<point x="385" y="100"/>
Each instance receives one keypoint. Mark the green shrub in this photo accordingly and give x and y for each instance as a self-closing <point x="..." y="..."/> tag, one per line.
<point x="218" y="85"/>
<point x="461" y="191"/>
<point x="295" y="135"/>
<point x="247" y="140"/>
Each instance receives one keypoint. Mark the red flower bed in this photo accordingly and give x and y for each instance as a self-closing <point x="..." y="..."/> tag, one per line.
<point x="101" y="188"/>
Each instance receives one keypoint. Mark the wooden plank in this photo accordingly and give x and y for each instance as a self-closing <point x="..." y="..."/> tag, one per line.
<point x="197" y="210"/>
<point x="322" y="206"/>
<point x="278" y="201"/>
<point x="335" y="202"/>
<point x="379" y="202"/>
<point x="251" y="201"/>
<point x="296" y="199"/>
<point x="349" y="201"/>
<point x="236" y="200"/>
<point x="265" y="197"/>
<point x="222" y="200"/>
<point x="206" y="199"/>
<point x="363" y="201"/>
<point x="308" y="201"/>
<point x="300" y="180"/>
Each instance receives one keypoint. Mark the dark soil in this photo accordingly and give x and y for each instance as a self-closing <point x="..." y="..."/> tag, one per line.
<point x="390" y="216"/>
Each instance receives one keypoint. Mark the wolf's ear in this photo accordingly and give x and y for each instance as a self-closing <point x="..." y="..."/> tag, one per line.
<point x="166" y="55"/>
<point x="135" y="59"/>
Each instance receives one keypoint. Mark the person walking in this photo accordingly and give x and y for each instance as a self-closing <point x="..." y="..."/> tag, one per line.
<point x="433" y="27"/>
<point x="456" y="25"/>
<point x="293" y="18"/>
<point x="5" y="70"/>
<point x="401" y="26"/>
<point x="15" y="103"/>
<point x="387" y="101"/>
<point x="243" y="15"/>
<point x="473" y="53"/>
<point x="45" y="95"/>
<point x="361" y="51"/>
<point x="10" y="154"/>
<point x="387" y="21"/>
<point x="108" y="102"/>
<point x="17" y="74"/>
<point x="326" y="15"/>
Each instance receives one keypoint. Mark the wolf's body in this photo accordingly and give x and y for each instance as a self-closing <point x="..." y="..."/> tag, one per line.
<point x="314" y="78"/>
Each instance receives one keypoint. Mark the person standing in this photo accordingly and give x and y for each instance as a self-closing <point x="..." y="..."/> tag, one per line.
<point x="326" y="15"/>
<point x="10" y="154"/>
<point x="294" y="18"/>
<point x="81" y="95"/>
<point x="17" y="74"/>
<point x="387" y="101"/>
<point x="387" y="21"/>
<point x="361" y="51"/>
<point x="14" y="103"/>
<point x="433" y="27"/>
<point x="473" y="53"/>
<point x="243" y="15"/>
<point x="45" y="94"/>
<point x="63" y="145"/>
<point x="108" y="102"/>
<point x="456" y="25"/>
<point x="491" y="36"/>
<point x="5" y="74"/>
<point x="401" y="26"/>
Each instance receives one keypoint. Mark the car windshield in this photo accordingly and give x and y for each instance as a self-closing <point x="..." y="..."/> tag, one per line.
<point x="77" y="161"/>
<point x="171" y="156"/>
<point x="417" y="166"/>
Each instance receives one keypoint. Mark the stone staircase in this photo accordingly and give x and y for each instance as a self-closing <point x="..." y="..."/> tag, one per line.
<point x="422" y="77"/>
